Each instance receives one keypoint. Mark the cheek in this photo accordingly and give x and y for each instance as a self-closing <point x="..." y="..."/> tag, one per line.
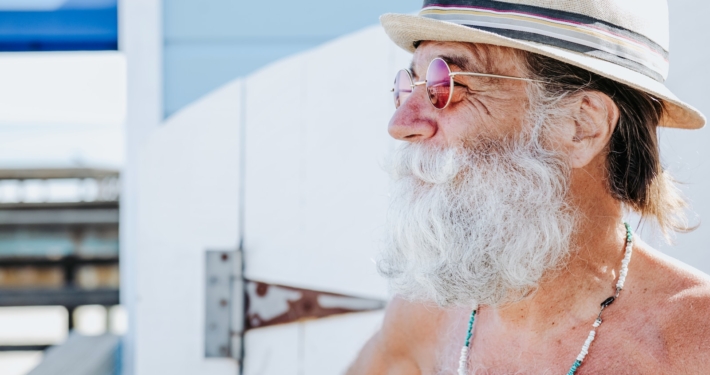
<point x="483" y="117"/>
<point x="510" y="117"/>
<point x="495" y="123"/>
<point x="464" y="125"/>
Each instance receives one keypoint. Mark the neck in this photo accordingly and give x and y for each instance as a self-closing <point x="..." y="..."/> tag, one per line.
<point x="572" y="295"/>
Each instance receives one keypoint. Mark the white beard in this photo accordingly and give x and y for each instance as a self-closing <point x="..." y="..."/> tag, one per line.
<point x="475" y="225"/>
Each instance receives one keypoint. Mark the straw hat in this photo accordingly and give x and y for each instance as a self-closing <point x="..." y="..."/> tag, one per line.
<point x="624" y="40"/>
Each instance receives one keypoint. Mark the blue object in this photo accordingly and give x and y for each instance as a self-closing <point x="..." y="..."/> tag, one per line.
<point x="573" y="369"/>
<point x="68" y="25"/>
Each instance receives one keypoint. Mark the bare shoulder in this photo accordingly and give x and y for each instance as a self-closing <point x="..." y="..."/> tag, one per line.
<point x="682" y="311"/>
<point x="404" y="343"/>
<point x="687" y="325"/>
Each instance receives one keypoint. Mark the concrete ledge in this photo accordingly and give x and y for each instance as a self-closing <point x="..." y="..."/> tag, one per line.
<point x="82" y="355"/>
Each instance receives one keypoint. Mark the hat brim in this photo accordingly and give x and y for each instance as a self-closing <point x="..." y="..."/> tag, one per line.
<point x="405" y="30"/>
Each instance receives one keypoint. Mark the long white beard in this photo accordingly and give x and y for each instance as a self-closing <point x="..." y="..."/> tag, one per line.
<point x="475" y="225"/>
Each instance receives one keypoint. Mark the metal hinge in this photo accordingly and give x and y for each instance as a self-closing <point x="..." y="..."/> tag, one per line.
<point x="224" y="304"/>
<point x="234" y="304"/>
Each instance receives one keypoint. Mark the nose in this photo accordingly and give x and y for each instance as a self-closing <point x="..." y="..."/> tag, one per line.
<point x="412" y="121"/>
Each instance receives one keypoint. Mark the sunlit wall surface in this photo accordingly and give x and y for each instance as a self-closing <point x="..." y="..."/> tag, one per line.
<point x="58" y="25"/>
<point x="207" y="44"/>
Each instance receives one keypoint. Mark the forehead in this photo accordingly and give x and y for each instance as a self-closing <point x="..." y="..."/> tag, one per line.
<point x="482" y="58"/>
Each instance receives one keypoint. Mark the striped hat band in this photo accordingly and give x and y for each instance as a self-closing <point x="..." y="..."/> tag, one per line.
<point x="558" y="28"/>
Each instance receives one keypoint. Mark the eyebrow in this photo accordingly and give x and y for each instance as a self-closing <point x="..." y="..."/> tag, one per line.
<point x="458" y="61"/>
<point x="411" y="69"/>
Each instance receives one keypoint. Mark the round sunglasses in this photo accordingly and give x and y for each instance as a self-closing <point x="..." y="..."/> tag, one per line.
<point x="439" y="83"/>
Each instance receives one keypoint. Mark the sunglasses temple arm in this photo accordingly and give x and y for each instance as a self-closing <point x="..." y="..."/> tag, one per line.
<point x="494" y="76"/>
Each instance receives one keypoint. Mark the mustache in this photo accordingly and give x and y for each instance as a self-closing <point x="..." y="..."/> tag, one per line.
<point x="433" y="165"/>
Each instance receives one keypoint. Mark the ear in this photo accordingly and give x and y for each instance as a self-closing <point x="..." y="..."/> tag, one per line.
<point x="594" y="118"/>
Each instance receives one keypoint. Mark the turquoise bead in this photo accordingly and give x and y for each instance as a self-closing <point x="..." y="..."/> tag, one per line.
<point x="574" y="368"/>
<point x="629" y="235"/>
<point x="470" y="328"/>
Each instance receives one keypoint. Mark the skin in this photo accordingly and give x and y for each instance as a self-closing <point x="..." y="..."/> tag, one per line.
<point x="659" y="325"/>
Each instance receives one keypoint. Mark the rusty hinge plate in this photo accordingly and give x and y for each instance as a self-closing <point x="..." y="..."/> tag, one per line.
<point x="269" y="304"/>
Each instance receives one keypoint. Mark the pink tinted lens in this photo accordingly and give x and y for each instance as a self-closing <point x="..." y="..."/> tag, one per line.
<point x="438" y="83"/>
<point x="402" y="87"/>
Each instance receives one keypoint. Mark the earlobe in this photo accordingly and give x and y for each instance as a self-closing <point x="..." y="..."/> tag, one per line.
<point x="595" y="119"/>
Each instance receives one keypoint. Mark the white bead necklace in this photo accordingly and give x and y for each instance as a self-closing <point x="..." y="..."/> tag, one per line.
<point x="463" y="360"/>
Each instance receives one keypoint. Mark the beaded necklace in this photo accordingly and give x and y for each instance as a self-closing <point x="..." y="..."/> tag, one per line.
<point x="585" y="348"/>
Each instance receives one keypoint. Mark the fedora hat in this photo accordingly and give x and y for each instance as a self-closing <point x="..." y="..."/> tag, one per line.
<point x="624" y="40"/>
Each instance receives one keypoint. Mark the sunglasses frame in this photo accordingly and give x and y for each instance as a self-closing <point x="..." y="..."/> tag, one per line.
<point x="414" y="84"/>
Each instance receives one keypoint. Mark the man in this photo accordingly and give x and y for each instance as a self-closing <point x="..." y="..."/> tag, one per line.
<point x="529" y="129"/>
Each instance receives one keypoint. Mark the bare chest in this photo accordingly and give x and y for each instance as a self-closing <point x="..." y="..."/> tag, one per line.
<point x="616" y="350"/>
<point x="509" y="362"/>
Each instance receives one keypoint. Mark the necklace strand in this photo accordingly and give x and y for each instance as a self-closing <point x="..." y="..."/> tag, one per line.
<point x="463" y="368"/>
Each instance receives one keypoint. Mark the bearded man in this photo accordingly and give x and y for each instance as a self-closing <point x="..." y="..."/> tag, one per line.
<point x="529" y="131"/>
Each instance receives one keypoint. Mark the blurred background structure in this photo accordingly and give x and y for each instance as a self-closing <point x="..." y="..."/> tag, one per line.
<point x="61" y="150"/>
<point x="243" y="141"/>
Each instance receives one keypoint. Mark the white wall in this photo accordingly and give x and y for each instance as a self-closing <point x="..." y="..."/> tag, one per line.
<point x="317" y="347"/>
<point x="188" y="194"/>
<point x="140" y="39"/>
<point x="316" y="136"/>
<point x="314" y="198"/>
